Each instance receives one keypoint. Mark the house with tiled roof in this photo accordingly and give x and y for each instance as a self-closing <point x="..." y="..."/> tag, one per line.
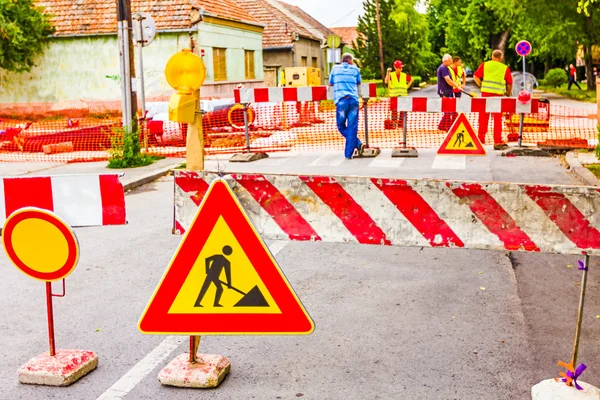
<point x="81" y="66"/>
<point x="348" y="34"/>
<point x="289" y="40"/>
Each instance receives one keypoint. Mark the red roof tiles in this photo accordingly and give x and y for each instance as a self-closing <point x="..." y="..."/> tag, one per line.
<point x="348" y="35"/>
<point x="279" y="25"/>
<point x="81" y="17"/>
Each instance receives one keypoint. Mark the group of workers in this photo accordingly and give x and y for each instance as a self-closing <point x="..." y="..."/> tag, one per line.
<point x="493" y="77"/>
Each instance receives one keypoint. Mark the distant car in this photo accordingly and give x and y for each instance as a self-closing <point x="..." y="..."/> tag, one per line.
<point x="469" y="72"/>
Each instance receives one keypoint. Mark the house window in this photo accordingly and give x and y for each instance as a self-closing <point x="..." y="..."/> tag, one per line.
<point x="249" y="64"/>
<point x="305" y="61"/>
<point x="219" y="64"/>
<point x="314" y="62"/>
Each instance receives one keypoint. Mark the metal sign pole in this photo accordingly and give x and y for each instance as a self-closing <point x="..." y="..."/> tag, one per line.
<point x="365" y="104"/>
<point x="246" y="128"/>
<point x="50" y="318"/>
<point x="404" y="117"/>
<point x="140" y="44"/>
<point x="127" y="76"/>
<point x="122" y="62"/>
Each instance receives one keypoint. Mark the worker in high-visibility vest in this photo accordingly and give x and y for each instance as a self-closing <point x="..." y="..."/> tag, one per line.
<point x="398" y="84"/>
<point x="495" y="80"/>
<point x="457" y="72"/>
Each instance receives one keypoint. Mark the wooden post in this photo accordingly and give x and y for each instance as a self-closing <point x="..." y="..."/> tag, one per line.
<point x="194" y="148"/>
<point x="380" y="39"/>
<point x="598" y="97"/>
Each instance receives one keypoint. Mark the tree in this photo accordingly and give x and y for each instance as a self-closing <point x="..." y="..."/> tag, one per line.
<point x="404" y="37"/>
<point x="24" y="33"/>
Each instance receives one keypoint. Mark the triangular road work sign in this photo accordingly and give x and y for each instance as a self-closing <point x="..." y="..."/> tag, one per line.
<point x="223" y="280"/>
<point x="462" y="139"/>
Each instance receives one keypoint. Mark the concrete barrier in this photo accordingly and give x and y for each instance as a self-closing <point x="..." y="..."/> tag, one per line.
<point x="423" y="213"/>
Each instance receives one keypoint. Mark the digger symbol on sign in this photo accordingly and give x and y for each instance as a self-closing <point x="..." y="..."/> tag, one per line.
<point x="214" y="266"/>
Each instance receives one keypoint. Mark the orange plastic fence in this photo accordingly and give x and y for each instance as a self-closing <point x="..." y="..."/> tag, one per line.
<point x="290" y="126"/>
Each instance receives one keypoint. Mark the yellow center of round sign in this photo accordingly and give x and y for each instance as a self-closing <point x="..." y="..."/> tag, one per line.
<point x="40" y="244"/>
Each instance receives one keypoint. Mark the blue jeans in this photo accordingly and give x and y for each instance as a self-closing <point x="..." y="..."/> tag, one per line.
<point x="346" y="117"/>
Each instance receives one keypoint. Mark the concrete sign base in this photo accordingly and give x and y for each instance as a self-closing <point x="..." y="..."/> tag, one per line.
<point x="552" y="390"/>
<point x="65" y="368"/>
<point x="208" y="372"/>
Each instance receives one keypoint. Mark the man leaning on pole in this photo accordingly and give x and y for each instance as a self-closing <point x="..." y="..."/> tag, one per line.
<point x="495" y="80"/>
<point x="345" y="79"/>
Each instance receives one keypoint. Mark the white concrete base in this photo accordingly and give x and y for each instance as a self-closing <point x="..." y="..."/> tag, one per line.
<point x="552" y="390"/>
<point x="208" y="372"/>
<point x="66" y="367"/>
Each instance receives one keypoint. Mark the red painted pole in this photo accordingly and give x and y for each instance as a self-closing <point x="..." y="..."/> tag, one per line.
<point x="50" y="318"/>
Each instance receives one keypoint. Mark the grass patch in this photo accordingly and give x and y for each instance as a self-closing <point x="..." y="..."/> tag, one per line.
<point x="594" y="168"/>
<point x="125" y="150"/>
<point x="588" y="96"/>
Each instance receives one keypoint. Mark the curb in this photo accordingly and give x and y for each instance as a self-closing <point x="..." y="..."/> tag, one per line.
<point x="582" y="172"/>
<point x="149" y="177"/>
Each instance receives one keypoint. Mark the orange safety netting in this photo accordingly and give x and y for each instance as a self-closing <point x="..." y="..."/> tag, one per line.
<point x="290" y="126"/>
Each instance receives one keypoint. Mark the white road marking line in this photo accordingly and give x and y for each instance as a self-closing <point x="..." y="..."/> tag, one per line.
<point x="450" y="162"/>
<point x="331" y="159"/>
<point x="135" y="375"/>
<point x="385" y="160"/>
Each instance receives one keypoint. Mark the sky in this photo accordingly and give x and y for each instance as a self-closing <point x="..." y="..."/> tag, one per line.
<point x="332" y="13"/>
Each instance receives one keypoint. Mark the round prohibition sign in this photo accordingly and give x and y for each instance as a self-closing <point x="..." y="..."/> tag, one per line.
<point x="523" y="48"/>
<point x="40" y="244"/>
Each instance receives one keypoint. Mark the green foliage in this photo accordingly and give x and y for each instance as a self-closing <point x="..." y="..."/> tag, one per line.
<point x="404" y="37"/>
<point x="586" y="95"/>
<point x="24" y="31"/>
<point x="125" y="150"/>
<point x="556" y="77"/>
<point x="416" y="81"/>
<point x="594" y="168"/>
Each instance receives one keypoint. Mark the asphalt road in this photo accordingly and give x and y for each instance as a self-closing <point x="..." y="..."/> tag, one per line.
<point x="391" y="323"/>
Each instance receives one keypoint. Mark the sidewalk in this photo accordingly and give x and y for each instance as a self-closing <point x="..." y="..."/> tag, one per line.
<point x="133" y="177"/>
<point x="558" y="100"/>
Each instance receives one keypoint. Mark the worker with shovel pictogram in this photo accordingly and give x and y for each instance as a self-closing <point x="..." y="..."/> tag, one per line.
<point x="214" y="267"/>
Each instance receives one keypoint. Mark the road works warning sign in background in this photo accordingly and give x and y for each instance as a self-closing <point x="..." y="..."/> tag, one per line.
<point x="461" y="139"/>
<point x="223" y="279"/>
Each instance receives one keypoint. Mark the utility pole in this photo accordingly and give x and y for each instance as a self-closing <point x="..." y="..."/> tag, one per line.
<point x="129" y="97"/>
<point x="378" y="15"/>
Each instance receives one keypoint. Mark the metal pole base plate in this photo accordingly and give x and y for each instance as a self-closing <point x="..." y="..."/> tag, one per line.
<point x="248" y="157"/>
<point x="369" y="152"/>
<point x="526" y="152"/>
<point x="405" y="152"/>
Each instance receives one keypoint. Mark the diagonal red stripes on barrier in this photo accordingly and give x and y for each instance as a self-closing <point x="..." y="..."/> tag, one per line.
<point x="353" y="216"/>
<point x="278" y="207"/>
<point x="566" y="216"/>
<point x="494" y="217"/>
<point x="418" y="212"/>
<point x="191" y="182"/>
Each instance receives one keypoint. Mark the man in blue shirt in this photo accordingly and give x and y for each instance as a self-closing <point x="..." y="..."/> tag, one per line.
<point x="446" y="88"/>
<point x="345" y="79"/>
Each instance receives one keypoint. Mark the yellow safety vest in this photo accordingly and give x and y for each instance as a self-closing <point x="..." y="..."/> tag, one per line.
<point x="457" y="78"/>
<point x="493" y="77"/>
<point x="398" y="87"/>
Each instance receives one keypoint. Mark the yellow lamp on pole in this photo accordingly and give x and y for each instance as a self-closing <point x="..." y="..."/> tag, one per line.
<point x="185" y="72"/>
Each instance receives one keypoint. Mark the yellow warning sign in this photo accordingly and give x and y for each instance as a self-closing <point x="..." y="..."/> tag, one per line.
<point x="461" y="139"/>
<point x="223" y="280"/>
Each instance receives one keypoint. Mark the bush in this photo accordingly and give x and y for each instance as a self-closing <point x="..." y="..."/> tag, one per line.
<point x="433" y="80"/>
<point x="556" y="77"/>
<point x="125" y="150"/>
<point x="416" y="81"/>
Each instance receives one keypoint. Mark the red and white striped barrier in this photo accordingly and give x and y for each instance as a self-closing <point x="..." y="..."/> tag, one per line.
<point x="81" y="200"/>
<point x="465" y="105"/>
<point x="306" y="93"/>
<point x="434" y="213"/>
